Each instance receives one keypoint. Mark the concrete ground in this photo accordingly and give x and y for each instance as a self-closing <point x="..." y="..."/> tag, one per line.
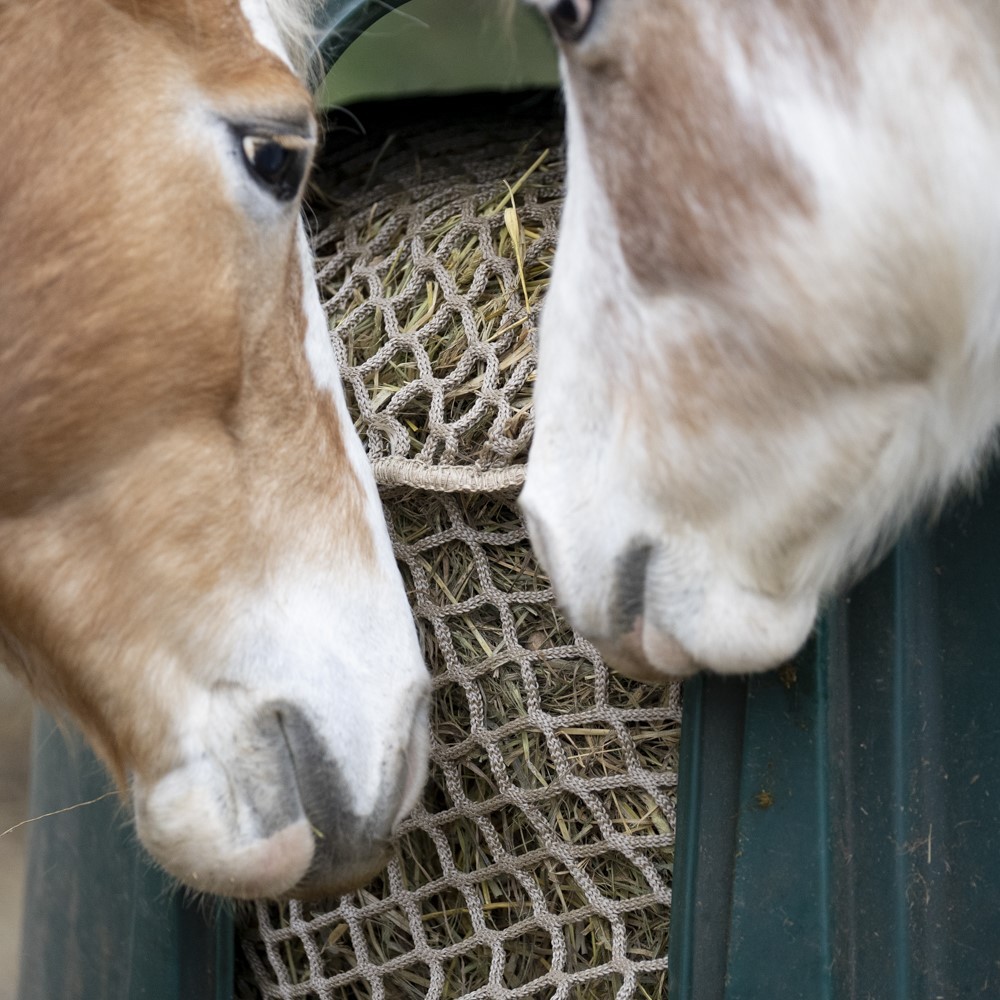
<point x="15" y="727"/>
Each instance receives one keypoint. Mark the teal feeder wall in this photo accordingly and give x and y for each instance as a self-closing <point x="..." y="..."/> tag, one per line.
<point x="101" y="922"/>
<point x="839" y="828"/>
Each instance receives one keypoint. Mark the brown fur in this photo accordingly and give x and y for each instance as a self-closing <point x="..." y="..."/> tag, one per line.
<point x="162" y="435"/>
<point x="648" y="110"/>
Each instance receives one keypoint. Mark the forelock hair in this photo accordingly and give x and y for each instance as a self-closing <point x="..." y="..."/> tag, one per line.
<point x="296" y="21"/>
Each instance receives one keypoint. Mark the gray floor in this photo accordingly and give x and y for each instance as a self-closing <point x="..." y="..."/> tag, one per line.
<point x="15" y="725"/>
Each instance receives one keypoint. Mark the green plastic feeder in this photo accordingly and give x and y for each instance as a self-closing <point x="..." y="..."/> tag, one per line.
<point x="101" y="922"/>
<point x="839" y="821"/>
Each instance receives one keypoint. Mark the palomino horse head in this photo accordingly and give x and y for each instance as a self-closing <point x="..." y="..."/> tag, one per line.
<point x="772" y="327"/>
<point x="193" y="559"/>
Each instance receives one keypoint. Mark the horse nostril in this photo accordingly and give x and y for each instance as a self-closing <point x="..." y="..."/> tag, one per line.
<point x="352" y="814"/>
<point x="323" y="787"/>
<point x="628" y="599"/>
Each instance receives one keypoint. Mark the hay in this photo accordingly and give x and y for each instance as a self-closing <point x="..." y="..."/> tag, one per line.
<point x="539" y="860"/>
<point x="434" y="289"/>
<point x="432" y="329"/>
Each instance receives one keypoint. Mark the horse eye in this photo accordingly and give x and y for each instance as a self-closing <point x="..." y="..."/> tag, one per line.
<point x="570" y="18"/>
<point x="276" y="165"/>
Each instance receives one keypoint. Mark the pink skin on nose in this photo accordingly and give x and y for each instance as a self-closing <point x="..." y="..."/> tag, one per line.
<point x="635" y="652"/>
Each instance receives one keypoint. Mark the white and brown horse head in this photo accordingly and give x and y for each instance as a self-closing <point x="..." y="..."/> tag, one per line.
<point x="772" y="331"/>
<point x="193" y="560"/>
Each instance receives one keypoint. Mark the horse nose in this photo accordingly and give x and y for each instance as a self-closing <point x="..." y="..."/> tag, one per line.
<point x="276" y="804"/>
<point x="635" y="644"/>
<point x="656" y="603"/>
<point x="350" y="846"/>
<point x="675" y="609"/>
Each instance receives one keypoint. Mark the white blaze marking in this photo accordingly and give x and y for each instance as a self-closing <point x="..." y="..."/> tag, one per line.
<point x="265" y="32"/>
<point x="319" y="350"/>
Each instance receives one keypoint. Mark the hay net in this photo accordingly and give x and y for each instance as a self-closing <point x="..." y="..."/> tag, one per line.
<point x="538" y="863"/>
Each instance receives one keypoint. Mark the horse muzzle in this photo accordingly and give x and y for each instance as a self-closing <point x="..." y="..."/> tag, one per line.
<point x="276" y="809"/>
<point x="659" y="604"/>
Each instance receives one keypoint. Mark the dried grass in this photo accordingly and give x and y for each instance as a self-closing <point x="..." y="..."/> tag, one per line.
<point x="445" y="344"/>
<point x="433" y="290"/>
<point x="541" y="852"/>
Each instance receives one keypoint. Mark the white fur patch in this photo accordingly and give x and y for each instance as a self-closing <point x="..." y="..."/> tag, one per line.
<point x="323" y="363"/>
<point x="285" y="27"/>
<point x="265" y="30"/>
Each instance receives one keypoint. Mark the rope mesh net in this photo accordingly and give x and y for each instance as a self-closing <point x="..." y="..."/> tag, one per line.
<point x="538" y="863"/>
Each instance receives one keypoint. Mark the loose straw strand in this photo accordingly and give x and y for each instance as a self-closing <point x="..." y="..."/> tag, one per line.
<point x="56" y="812"/>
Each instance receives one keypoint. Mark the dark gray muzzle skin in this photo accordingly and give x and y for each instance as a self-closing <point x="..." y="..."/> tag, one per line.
<point x="348" y="848"/>
<point x="629" y="599"/>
